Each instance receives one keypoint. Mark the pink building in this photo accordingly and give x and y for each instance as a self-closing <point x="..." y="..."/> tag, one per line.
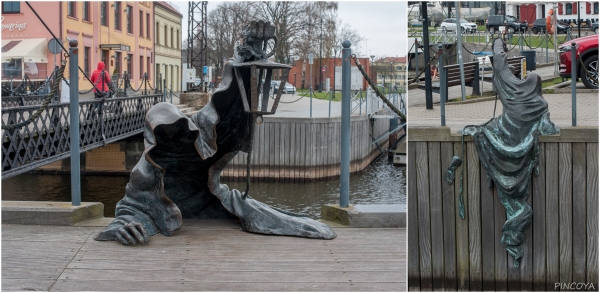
<point x="25" y="39"/>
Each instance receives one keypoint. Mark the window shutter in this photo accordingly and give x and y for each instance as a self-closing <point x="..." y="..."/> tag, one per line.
<point x="588" y="8"/>
<point x="560" y="9"/>
<point x="575" y="6"/>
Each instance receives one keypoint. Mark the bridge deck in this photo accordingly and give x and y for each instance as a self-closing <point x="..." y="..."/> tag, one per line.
<point x="205" y="255"/>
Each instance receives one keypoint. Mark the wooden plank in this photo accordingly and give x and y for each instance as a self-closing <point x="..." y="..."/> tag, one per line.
<point x="448" y="214"/>
<point x="462" y="228"/>
<point x="414" y="279"/>
<point x="565" y="197"/>
<point x="526" y="270"/>
<point x="513" y="282"/>
<point x="501" y="268"/>
<point x="424" y="218"/>
<point x="474" y="209"/>
<point x="437" y="221"/>
<point x="539" y="223"/>
<point x="277" y="151"/>
<point x="552" y="237"/>
<point x="592" y="214"/>
<point x="488" y="241"/>
<point x="579" y="212"/>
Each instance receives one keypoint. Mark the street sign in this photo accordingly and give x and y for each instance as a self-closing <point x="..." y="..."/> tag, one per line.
<point x="310" y="58"/>
<point x="54" y="47"/>
<point x="323" y="69"/>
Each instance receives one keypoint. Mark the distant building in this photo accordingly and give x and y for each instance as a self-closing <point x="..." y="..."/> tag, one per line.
<point x="567" y="11"/>
<point x="391" y="72"/>
<point x="167" y="43"/>
<point x="331" y="74"/>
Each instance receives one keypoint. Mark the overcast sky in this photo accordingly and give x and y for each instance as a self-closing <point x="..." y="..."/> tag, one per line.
<point x="382" y="24"/>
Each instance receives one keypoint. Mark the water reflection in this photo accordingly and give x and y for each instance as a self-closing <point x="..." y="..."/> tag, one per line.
<point x="380" y="183"/>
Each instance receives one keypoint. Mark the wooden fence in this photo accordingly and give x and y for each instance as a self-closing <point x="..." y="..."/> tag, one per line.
<point x="307" y="149"/>
<point x="450" y="253"/>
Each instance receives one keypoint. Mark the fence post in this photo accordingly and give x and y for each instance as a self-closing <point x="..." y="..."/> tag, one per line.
<point x="125" y="82"/>
<point x="171" y="91"/>
<point x="573" y="85"/>
<point x="330" y="97"/>
<point x="345" y="135"/>
<point x="164" y="90"/>
<point x="443" y="87"/>
<point x="74" y="122"/>
<point x="546" y="46"/>
<point x="145" y="81"/>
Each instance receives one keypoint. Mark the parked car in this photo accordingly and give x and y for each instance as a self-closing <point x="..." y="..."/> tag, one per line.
<point x="539" y="26"/>
<point x="494" y="22"/>
<point x="287" y="88"/>
<point x="587" y="52"/>
<point x="594" y="27"/>
<point x="449" y="24"/>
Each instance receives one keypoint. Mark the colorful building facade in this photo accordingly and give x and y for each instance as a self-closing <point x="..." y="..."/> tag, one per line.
<point x="167" y="43"/>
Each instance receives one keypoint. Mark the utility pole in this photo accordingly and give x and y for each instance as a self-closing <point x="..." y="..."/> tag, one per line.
<point x="197" y="37"/>
<point x="428" y="97"/>
<point x="459" y="52"/>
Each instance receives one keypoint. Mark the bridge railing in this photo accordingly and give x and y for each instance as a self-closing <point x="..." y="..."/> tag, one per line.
<point x="9" y="102"/>
<point x="46" y="139"/>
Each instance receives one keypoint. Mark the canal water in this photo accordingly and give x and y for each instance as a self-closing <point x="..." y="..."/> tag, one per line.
<point x="380" y="183"/>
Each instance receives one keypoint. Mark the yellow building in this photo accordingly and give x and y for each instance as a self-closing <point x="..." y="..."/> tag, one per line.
<point x="392" y="72"/>
<point x="119" y="33"/>
<point x="167" y="44"/>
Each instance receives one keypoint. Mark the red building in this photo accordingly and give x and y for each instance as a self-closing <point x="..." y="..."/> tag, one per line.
<point x="331" y="74"/>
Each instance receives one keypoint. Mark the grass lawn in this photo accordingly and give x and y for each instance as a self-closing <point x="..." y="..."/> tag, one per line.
<point x="320" y="95"/>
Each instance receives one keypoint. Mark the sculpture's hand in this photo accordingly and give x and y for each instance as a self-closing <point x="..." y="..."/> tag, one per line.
<point x="132" y="233"/>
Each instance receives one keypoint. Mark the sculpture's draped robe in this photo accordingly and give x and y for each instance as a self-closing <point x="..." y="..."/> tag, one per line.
<point x="178" y="174"/>
<point x="508" y="146"/>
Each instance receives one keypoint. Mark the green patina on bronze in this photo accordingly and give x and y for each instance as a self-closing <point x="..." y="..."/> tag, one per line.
<point x="508" y="146"/>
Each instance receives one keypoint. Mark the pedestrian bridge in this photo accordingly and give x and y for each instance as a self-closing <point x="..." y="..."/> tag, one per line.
<point x="46" y="139"/>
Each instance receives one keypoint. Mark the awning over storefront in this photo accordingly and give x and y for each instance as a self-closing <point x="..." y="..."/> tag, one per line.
<point x="31" y="50"/>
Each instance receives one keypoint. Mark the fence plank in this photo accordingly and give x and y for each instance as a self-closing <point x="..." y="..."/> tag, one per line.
<point x="552" y="238"/>
<point x="500" y="254"/>
<point x="474" y="209"/>
<point x="435" y="207"/>
<point x="424" y="220"/>
<point x="526" y="270"/>
<point x="462" y="229"/>
<point x="488" y="241"/>
<point x="565" y="189"/>
<point x="414" y="282"/>
<point x="539" y="223"/>
<point x="592" y="214"/>
<point x="579" y="212"/>
<point x="448" y="214"/>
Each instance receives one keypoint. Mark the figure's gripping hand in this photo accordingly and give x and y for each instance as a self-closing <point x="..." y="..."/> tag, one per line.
<point x="132" y="233"/>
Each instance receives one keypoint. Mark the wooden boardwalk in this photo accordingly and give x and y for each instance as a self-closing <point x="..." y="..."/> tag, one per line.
<point x="205" y="255"/>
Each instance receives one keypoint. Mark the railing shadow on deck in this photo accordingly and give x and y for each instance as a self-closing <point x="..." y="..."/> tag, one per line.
<point x="46" y="139"/>
<point x="447" y="252"/>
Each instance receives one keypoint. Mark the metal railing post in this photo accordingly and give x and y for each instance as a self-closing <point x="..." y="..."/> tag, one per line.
<point x="125" y="82"/>
<point x="171" y="91"/>
<point x="546" y="46"/>
<point x="145" y="81"/>
<point x="574" y="85"/>
<point x="164" y="90"/>
<point x="345" y="129"/>
<point x="443" y="88"/>
<point x="74" y="123"/>
<point x="330" y="97"/>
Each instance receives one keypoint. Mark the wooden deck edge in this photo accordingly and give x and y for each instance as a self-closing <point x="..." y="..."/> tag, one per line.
<point x="442" y="133"/>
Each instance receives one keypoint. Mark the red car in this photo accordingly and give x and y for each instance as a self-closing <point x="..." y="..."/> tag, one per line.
<point x="587" y="51"/>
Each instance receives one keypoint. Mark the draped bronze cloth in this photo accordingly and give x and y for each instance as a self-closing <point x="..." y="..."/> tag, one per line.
<point x="508" y="146"/>
<point x="178" y="174"/>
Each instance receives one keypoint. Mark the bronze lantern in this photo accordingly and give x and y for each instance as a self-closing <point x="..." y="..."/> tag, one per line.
<point x="259" y="106"/>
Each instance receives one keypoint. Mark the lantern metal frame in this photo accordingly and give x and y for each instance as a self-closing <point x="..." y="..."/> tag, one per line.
<point x="256" y="72"/>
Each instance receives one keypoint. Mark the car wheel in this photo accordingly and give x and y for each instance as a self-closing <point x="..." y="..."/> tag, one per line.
<point x="596" y="30"/>
<point x="492" y="30"/>
<point x="535" y="30"/>
<point x="591" y="81"/>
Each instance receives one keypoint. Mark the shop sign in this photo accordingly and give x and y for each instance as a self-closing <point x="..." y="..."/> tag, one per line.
<point x="12" y="26"/>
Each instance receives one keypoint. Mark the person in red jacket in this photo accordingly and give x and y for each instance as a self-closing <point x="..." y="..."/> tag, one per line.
<point x="101" y="79"/>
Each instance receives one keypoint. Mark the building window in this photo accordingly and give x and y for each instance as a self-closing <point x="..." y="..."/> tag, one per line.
<point x="71" y="7"/>
<point x="596" y="8"/>
<point x="569" y="8"/>
<point x="11" y="7"/>
<point x="130" y="64"/>
<point x="165" y="35"/>
<point x="172" y="43"/>
<point x="103" y="13"/>
<point x="157" y="72"/>
<point x="141" y="23"/>
<point x="141" y="67"/>
<point x="117" y="15"/>
<point x="156" y="33"/>
<point x="86" y="60"/>
<point x="129" y="19"/>
<point x="86" y="11"/>
<point x="105" y="58"/>
<point x="178" y="41"/>
<point x="148" y="25"/>
<point x="148" y="67"/>
<point x="118" y="62"/>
